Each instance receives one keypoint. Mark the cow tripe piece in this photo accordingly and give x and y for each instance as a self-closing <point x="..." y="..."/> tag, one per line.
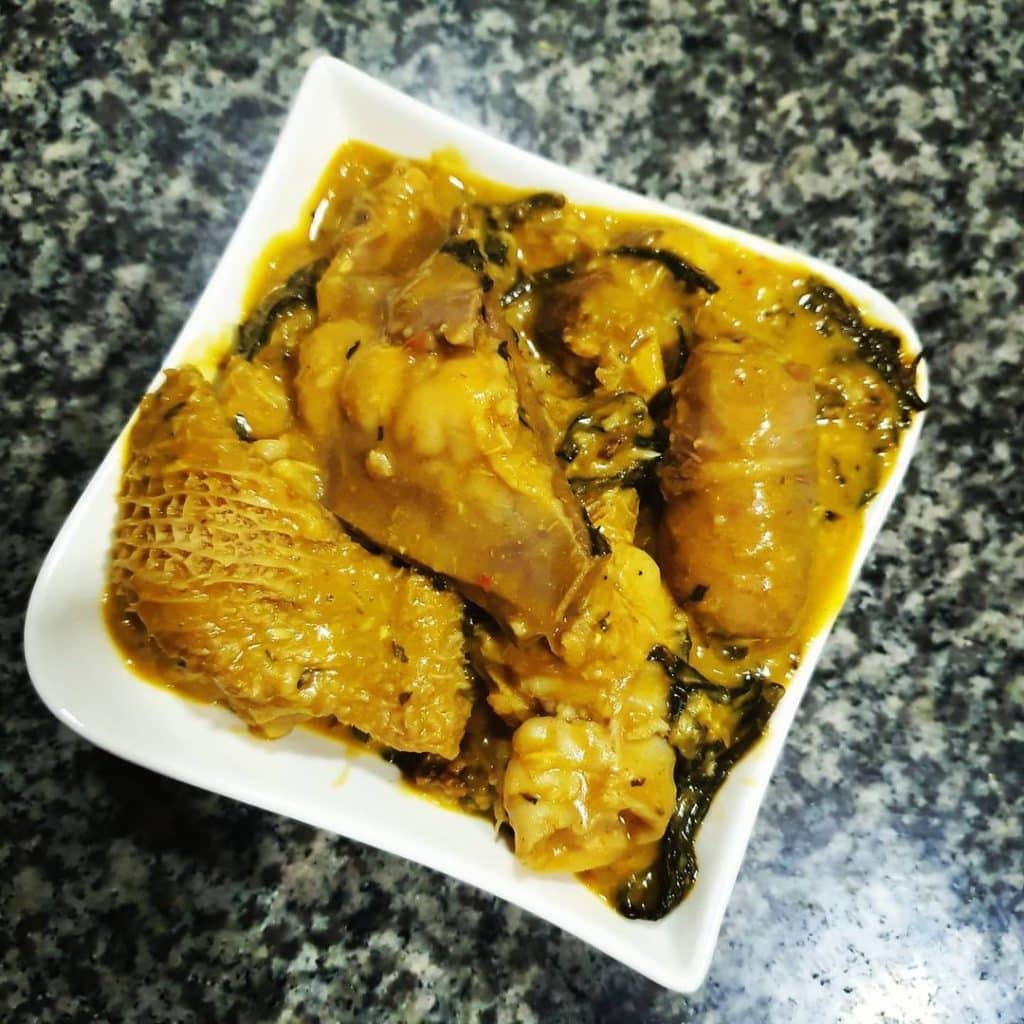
<point x="740" y="480"/>
<point x="252" y="586"/>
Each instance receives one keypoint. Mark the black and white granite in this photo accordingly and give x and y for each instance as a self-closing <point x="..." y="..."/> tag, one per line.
<point x="884" y="882"/>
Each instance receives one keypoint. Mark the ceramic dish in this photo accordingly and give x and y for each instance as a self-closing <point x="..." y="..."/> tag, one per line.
<point x="82" y="679"/>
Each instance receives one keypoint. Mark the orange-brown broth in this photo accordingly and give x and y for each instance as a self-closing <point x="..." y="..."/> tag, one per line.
<point x="756" y="294"/>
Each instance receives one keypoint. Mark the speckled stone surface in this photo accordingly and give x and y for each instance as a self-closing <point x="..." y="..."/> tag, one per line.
<point x="884" y="881"/>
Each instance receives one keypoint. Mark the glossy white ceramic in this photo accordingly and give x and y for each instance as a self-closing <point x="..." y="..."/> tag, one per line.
<point x="82" y="680"/>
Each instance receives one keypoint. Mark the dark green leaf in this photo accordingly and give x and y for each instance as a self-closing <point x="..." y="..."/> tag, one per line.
<point x="298" y="292"/>
<point x="879" y="348"/>
<point x="688" y="275"/>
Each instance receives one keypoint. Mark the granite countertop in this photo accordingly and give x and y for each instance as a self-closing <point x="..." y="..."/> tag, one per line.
<point x="884" y="881"/>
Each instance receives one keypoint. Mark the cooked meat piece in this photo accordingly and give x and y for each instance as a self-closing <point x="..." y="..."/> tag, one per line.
<point x="431" y="453"/>
<point x="251" y="585"/>
<point x="740" y="480"/>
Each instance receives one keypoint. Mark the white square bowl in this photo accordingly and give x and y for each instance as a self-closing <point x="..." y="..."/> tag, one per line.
<point x="82" y="679"/>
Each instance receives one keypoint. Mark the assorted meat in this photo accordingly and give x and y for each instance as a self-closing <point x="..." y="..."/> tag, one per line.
<point x="535" y="498"/>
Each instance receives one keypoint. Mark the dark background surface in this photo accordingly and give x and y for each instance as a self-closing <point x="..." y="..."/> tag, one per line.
<point x="884" y="881"/>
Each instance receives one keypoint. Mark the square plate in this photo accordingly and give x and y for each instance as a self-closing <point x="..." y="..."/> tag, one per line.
<point x="82" y="679"/>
